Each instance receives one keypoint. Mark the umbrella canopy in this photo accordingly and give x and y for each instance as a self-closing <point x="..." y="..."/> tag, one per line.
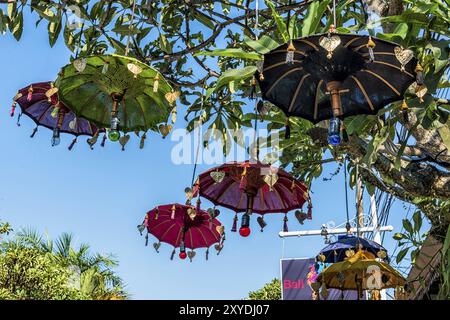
<point x="360" y="272"/>
<point x="118" y="92"/>
<point x="39" y="101"/>
<point x="184" y="226"/>
<point x="252" y="187"/>
<point x="337" y="251"/>
<point x="336" y="75"/>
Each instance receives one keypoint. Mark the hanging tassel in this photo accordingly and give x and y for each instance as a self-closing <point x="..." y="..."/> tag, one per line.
<point x="207" y="254"/>
<point x="404" y="108"/>
<point x="287" y="133"/>
<point x="197" y="208"/>
<point x="260" y="68"/>
<point x="173" y="254"/>
<point x="235" y="221"/>
<point x="146" y="239"/>
<point x="344" y="133"/>
<point x="142" y="142"/>
<point x="103" y="140"/>
<point x="156" y="83"/>
<point x="18" y="119"/>
<point x="92" y="141"/>
<point x="370" y="47"/>
<point x="72" y="144"/>
<point x="55" y="112"/>
<point x="13" y="109"/>
<point x="172" y="215"/>
<point x="290" y="53"/>
<point x="124" y="140"/>
<point x="253" y="90"/>
<point x="156" y="213"/>
<point x="30" y="93"/>
<point x="285" y="226"/>
<point x="243" y="182"/>
<point x="419" y="74"/>
<point x="34" y="132"/>
<point x="309" y="210"/>
<point x="174" y="114"/>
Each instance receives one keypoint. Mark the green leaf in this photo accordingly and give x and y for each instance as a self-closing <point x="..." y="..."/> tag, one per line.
<point x="281" y="26"/>
<point x="231" y="75"/>
<point x="375" y="144"/>
<point x="401" y="255"/>
<point x="18" y="26"/>
<point x="231" y="52"/>
<point x="313" y="17"/>
<point x="408" y="226"/>
<point x="417" y="218"/>
<point x="203" y="19"/>
<point x="54" y="29"/>
<point x="398" y="236"/>
<point x="264" y="45"/>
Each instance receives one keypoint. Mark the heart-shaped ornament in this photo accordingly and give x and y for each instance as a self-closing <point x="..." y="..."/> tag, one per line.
<point x="271" y="179"/>
<point x="301" y="216"/>
<point x="421" y="91"/>
<point x="156" y="245"/>
<point x="217" y="176"/>
<point x="165" y="129"/>
<point x="220" y="229"/>
<point x="191" y="255"/>
<point x="171" y="97"/>
<point x="191" y="213"/>
<point x="218" y="247"/>
<point x="124" y="140"/>
<point x="134" y="69"/>
<point x="73" y="124"/>
<point x="403" y="56"/>
<point x="80" y="64"/>
<point x="330" y="43"/>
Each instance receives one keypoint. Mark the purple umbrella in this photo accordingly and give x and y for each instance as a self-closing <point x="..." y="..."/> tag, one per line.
<point x="39" y="101"/>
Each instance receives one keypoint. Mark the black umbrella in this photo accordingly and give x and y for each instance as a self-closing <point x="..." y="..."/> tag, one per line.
<point x="332" y="76"/>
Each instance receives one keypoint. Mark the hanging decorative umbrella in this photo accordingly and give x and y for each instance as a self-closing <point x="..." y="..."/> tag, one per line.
<point x="183" y="226"/>
<point x="253" y="187"/>
<point x="119" y="93"/>
<point x="360" y="272"/>
<point x="332" y="76"/>
<point x="39" y="101"/>
<point x="347" y="245"/>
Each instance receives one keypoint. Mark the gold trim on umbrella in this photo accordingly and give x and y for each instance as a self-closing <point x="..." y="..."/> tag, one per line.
<point x="203" y="236"/>
<point x="316" y="102"/>
<point x="382" y="79"/>
<point x="278" y="64"/>
<point x="309" y="43"/>
<point x="291" y="105"/>
<point x="394" y="66"/>
<point x="363" y="91"/>
<point x="168" y="229"/>
<point x="351" y="41"/>
<point x="281" y="78"/>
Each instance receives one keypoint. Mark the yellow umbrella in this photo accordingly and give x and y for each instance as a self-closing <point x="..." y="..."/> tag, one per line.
<point x="361" y="272"/>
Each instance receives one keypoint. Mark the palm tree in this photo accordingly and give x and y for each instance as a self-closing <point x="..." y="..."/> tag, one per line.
<point x="93" y="273"/>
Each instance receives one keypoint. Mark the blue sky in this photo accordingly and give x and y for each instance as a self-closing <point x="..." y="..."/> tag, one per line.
<point x="102" y="195"/>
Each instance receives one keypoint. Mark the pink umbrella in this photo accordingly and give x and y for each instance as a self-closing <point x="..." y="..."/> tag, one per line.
<point x="184" y="226"/>
<point x="253" y="187"/>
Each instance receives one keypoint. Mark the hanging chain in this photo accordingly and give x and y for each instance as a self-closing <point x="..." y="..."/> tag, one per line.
<point x="129" y="29"/>
<point x="347" y="225"/>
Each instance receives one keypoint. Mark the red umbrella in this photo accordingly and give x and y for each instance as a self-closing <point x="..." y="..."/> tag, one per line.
<point x="39" y="101"/>
<point x="184" y="226"/>
<point x="253" y="187"/>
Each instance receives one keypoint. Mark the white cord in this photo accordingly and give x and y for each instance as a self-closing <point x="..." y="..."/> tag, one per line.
<point x="129" y="29"/>
<point x="334" y="12"/>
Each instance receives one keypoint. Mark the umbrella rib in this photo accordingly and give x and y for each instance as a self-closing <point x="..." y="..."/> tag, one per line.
<point x="382" y="79"/>
<point x="281" y="78"/>
<point x="297" y="91"/>
<point x="363" y="91"/>
<point x="225" y="191"/>
<point x="278" y="64"/>
<point x="281" y="199"/>
<point x="394" y="66"/>
<point x="316" y="102"/>
<point x="43" y="113"/>
<point x="142" y="110"/>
